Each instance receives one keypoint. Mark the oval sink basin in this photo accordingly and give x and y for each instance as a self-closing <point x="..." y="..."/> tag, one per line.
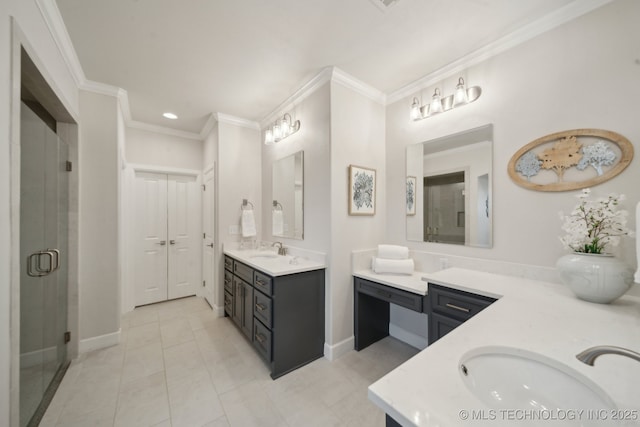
<point x="511" y="378"/>
<point x="263" y="254"/>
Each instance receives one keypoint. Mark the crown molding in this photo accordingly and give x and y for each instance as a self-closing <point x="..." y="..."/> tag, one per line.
<point x="52" y="17"/>
<point x="236" y="121"/>
<point x="358" y="86"/>
<point x="208" y="126"/>
<point x="163" y="130"/>
<point x="548" y="22"/>
<point x="305" y="91"/>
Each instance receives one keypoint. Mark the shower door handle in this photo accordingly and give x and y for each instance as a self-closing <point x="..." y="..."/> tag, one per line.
<point x="34" y="264"/>
<point x="55" y="252"/>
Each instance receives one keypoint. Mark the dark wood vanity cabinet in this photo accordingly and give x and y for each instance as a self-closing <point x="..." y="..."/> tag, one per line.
<point x="448" y="308"/>
<point x="283" y="316"/>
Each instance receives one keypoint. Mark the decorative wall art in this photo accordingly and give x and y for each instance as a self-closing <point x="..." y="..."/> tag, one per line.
<point x="411" y="195"/>
<point x="570" y="160"/>
<point x="362" y="191"/>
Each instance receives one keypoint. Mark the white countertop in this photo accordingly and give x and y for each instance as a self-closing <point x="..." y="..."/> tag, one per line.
<point x="411" y="283"/>
<point x="278" y="265"/>
<point x="541" y="317"/>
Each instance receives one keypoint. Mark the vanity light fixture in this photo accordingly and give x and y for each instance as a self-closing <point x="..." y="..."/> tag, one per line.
<point x="281" y="129"/>
<point x="461" y="96"/>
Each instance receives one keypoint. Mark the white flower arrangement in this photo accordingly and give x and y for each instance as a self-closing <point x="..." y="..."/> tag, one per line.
<point x="594" y="224"/>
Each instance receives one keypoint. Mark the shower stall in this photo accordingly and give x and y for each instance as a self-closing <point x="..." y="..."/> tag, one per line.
<point x="44" y="207"/>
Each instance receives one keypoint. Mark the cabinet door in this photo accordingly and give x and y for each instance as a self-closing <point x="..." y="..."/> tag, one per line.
<point x="237" y="302"/>
<point x="440" y="326"/>
<point x="247" y="310"/>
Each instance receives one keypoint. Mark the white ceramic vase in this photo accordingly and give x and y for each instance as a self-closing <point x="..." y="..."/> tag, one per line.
<point x="600" y="278"/>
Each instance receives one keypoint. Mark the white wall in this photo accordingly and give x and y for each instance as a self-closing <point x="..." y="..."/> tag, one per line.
<point x="158" y="149"/>
<point x="99" y="176"/>
<point x="30" y="30"/>
<point x="583" y="74"/>
<point x="239" y="175"/>
<point x="357" y="137"/>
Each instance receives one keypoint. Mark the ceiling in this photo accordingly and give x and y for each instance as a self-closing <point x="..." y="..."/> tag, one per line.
<point x="245" y="57"/>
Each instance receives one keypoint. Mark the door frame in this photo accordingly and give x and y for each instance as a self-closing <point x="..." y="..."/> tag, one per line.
<point x="127" y="291"/>
<point x="67" y="118"/>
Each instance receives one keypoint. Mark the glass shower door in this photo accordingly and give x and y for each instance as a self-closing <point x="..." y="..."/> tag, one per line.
<point x="43" y="250"/>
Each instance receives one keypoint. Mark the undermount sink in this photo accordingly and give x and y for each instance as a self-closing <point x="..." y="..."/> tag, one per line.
<point x="511" y="378"/>
<point x="263" y="254"/>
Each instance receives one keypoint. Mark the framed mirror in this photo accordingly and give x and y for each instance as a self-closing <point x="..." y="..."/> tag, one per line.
<point x="287" y="211"/>
<point x="449" y="190"/>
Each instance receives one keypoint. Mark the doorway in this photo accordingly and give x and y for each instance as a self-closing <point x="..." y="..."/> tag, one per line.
<point x="166" y="237"/>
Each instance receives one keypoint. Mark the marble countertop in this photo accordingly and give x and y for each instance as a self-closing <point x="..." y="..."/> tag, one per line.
<point x="272" y="264"/>
<point x="540" y="317"/>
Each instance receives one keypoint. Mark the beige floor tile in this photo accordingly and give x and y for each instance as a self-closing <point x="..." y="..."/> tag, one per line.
<point x="141" y="335"/>
<point x="193" y="400"/>
<point x="249" y="406"/>
<point x="175" y="331"/>
<point x="180" y="365"/>
<point x="143" y="402"/>
<point x="143" y="361"/>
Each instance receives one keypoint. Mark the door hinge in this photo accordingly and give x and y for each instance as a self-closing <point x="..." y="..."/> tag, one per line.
<point x="204" y="187"/>
<point x="69" y="166"/>
<point x="204" y="282"/>
<point x="204" y="235"/>
<point x="67" y="337"/>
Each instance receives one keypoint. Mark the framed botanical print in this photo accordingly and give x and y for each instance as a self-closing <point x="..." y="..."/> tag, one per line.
<point x="362" y="190"/>
<point x="411" y="195"/>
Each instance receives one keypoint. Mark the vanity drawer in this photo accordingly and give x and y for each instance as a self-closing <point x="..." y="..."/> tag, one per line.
<point x="456" y="304"/>
<point x="228" y="282"/>
<point x="262" y="308"/>
<point x="262" y="282"/>
<point x="387" y="293"/>
<point x="262" y="340"/>
<point x="243" y="271"/>
<point x="228" y="263"/>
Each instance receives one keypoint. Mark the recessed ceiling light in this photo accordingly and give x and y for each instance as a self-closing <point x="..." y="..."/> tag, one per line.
<point x="170" y="116"/>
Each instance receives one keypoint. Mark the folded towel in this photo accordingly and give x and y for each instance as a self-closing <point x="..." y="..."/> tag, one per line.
<point x="393" y="266"/>
<point x="248" y="223"/>
<point x="393" y="252"/>
<point x="277" y="223"/>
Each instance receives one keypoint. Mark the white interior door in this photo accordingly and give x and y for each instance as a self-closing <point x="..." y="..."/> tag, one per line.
<point x="151" y="228"/>
<point x="208" y="226"/>
<point x="183" y="206"/>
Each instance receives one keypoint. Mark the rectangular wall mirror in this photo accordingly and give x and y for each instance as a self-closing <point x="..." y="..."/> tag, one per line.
<point x="449" y="191"/>
<point x="287" y="210"/>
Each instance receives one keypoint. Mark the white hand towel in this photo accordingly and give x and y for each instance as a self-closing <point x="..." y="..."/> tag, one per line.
<point x="392" y="266"/>
<point x="248" y="223"/>
<point x="277" y="223"/>
<point x="393" y="252"/>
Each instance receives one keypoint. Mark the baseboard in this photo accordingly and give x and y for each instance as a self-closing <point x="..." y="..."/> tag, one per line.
<point x="102" y="341"/>
<point x="218" y="310"/>
<point x="332" y="352"/>
<point x="410" y="338"/>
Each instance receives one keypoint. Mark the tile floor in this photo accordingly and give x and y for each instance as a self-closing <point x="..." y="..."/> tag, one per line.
<point x="179" y="365"/>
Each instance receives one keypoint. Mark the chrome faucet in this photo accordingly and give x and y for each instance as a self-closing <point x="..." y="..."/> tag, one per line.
<point x="590" y="355"/>
<point x="281" y="249"/>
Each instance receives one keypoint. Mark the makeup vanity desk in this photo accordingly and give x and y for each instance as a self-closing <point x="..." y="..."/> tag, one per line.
<point x="372" y="295"/>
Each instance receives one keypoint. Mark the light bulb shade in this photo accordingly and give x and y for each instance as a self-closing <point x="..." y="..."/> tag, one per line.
<point x="268" y="137"/>
<point x="460" y="96"/>
<point x="285" y="128"/>
<point x="277" y="132"/>
<point x="415" y="113"/>
<point x="436" y="103"/>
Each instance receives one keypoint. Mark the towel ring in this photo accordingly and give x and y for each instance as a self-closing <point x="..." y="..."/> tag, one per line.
<point x="245" y="205"/>
<point x="276" y="205"/>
